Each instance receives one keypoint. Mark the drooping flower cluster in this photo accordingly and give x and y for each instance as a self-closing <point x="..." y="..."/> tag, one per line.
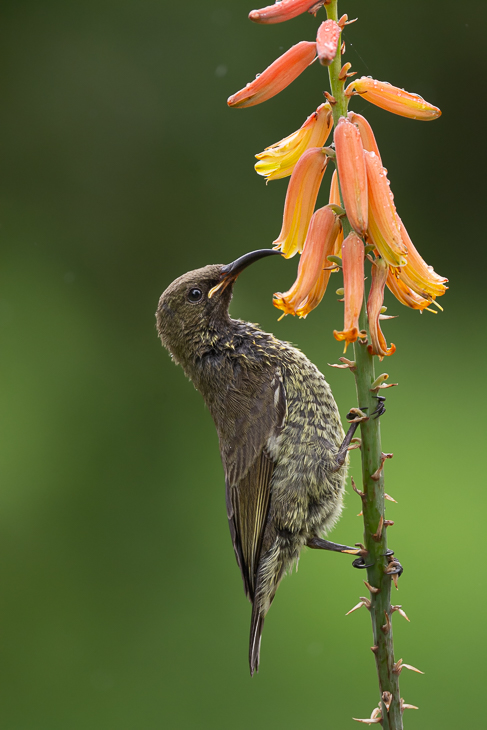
<point x="361" y="191"/>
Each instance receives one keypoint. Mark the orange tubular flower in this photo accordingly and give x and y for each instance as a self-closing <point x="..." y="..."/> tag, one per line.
<point x="312" y="279"/>
<point x="384" y="228"/>
<point x="285" y="10"/>
<point x="276" y="76"/>
<point x="392" y="99"/>
<point x="352" y="173"/>
<point x="353" y="283"/>
<point x="366" y="133"/>
<point x="279" y="160"/>
<point x="327" y="41"/>
<point x="300" y="201"/>
<point x="417" y="275"/>
<point x="374" y="303"/>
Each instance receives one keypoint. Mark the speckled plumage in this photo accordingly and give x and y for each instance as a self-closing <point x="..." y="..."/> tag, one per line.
<point x="279" y="431"/>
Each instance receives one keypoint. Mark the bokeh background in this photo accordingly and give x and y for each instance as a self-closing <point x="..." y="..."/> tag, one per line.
<point x="121" y="168"/>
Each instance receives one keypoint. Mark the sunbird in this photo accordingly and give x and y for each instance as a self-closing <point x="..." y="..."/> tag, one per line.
<point x="283" y="448"/>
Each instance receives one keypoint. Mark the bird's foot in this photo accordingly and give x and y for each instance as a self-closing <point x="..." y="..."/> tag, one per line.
<point x="394" y="567"/>
<point x="317" y="543"/>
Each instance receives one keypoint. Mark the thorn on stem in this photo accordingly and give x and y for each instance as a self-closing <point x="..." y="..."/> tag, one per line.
<point x="330" y="98"/>
<point x="400" y="611"/>
<point x="388" y="523"/>
<point x="372" y="589"/>
<point x="363" y="602"/>
<point x="387" y="626"/>
<point x="377" y="474"/>
<point x="369" y="721"/>
<point x="387" y="699"/>
<point x="399" y="666"/>
<point x="404" y="706"/>
<point x="388" y="497"/>
<point x="357" y="491"/>
<point x="377" y="535"/>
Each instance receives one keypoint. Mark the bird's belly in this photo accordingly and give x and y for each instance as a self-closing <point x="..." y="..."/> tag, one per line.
<point x="306" y="495"/>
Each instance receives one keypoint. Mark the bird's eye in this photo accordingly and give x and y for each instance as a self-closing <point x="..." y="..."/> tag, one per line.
<point x="195" y="295"/>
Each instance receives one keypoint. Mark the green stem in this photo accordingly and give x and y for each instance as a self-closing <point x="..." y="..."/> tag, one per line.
<point x="375" y="539"/>
<point x="372" y="477"/>
<point x="337" y="85"/>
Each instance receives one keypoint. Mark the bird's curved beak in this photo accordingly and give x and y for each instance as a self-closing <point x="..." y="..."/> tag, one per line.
<point x="230" y="272"/>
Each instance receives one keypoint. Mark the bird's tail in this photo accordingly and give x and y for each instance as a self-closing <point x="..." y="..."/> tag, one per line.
<point x="256" y="626"/>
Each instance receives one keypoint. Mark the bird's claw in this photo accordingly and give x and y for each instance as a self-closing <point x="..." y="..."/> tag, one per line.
<point x="380" y="410"/>
<point x="394" y="567"/>
<point x="361" y="564"/>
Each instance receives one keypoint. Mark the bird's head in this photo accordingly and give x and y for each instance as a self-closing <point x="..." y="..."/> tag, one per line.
<point x="197" y="303"/>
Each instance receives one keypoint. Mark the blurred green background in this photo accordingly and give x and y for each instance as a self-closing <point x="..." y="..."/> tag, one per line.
<point x="121" y="602"/>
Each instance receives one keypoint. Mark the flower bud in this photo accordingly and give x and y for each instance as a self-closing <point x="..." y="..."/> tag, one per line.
<point x="313" y="274"/>
<point x="279" y="160"/>
<point x="384" y="225"/>
<point x="352" y="173"/>
<point x="375" y="301"/>
<point x="392" y="99"/>
<point x="285" y="10"/>
<point x="276" y="76"/>
<point x="353" y="284"/>
<point x="301" y="197"/>
<point x="327" y="41"/>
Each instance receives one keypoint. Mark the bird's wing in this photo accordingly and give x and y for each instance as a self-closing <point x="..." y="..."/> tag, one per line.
<point x="256" y="412"/>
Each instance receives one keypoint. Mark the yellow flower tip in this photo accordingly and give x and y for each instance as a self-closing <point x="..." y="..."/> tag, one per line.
<point x="417" y="275"/>
<point x="276" y="77"/>
<point x="279" y="160"/>
<point x="312" y="278"/>
<point x="392" y="99"/>
<point x="300" y="200"/>
<point x="285" y="10"/>
<point x="404" y="294"/>
<point x="352" y="173"/>
<point x="327" y="40"/>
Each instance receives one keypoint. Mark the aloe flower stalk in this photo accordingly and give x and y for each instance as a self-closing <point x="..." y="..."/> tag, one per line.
<point x="359" y="225"/>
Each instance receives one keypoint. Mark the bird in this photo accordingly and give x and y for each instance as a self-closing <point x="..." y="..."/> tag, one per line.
<point x="282" y="444"/>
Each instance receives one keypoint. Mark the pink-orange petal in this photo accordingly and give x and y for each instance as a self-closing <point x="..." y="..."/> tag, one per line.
<point x="392" y="99"/>
<point x="276" y="77"/>
<point x="309" y="287"/>
<point x="384" y="229"/>
<point x="353" y="284"/>
<point x="285" y="10"/>
<point x="352" y="174"/>
<point x="301" y="197"/>
<point x="375" y="301"/>
<point x="366" y="133"/>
